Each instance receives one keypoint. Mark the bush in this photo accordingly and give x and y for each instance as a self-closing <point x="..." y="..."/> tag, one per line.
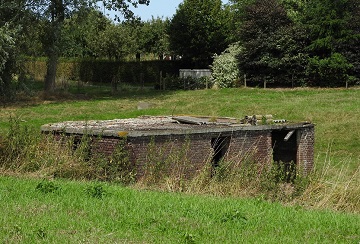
<point x="7" y="62"/>
<point x="225" y="68"/>
<point x="330" y="72"/>
<point x="107" y="71"/>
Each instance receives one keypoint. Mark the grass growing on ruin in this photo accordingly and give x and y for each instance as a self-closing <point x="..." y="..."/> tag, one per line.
<point x="72" y="212"/>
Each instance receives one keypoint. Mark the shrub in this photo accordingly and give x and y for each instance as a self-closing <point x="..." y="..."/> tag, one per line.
<point x="7" y="61"/>
<point x="225" y="70"/>
<point x="330" y="72"/>
<point x="97" y="190"/>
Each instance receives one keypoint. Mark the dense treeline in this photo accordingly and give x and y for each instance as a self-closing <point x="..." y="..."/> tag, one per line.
<point x="280" y="42"/>
<point x="306" y="42"/>
<point x="145" y="73"/>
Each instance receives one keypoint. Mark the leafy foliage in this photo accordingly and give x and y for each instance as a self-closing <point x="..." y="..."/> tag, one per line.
<point x="225" y="67"/>
<point x="53" y="14"/>
<point x="264" y="34"/>
<point x="47" y="187"/>
<point x="298" y="43"/>
<point x="199" y="29"/>
<point x="7" y="61"/>
<point x="284" y="42"/>
<point x="329" y="71"/>
<point x="332" y="35"/>
<point x="97" y="190"/>
<point x="186" y="83"/>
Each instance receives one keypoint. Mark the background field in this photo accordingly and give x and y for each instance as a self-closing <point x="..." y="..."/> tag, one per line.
<point x="335" y="112"/>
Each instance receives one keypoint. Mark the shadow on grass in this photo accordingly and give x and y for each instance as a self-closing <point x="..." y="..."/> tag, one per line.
<point x="33" y="94"/>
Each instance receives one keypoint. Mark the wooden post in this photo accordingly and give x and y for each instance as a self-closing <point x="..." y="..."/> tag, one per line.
<point x="264" y="84"/>
<point x="161" y="79"/>
<point x="347" y="85"/>
<point x="142" y="80"/>
<point x="245" y="80"/>
<point x="164" y="83"/>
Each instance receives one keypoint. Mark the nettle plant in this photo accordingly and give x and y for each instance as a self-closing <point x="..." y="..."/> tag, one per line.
<point x="225" y="70"/>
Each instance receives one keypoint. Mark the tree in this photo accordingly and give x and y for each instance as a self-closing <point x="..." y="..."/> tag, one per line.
<point x="115" y="42"/>
<point x="199" y="29"/>
<point x="273" y="48"/>
<point x="81" y="33"/>
<point x="309" y="42"/>
<point x="333" y="28"/>
<point x="53" y="13"/>
<point x="155" y="37"/>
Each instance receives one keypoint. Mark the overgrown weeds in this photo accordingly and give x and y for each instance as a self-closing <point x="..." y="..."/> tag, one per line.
<point x="333" y="186"/>
<point x="247" y="178"/>
<point x="166" y="165"/>
<point x="25" y="151"/>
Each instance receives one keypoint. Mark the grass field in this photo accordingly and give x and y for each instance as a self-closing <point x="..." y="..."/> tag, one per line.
<point x="67" y="211"/>
<point x="335" y="112"/>
<point x="35" y="211"/>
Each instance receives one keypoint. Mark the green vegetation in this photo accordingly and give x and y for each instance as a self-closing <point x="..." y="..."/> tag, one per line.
<point x="287" y="43"/>
<point x="335" y="112"/>
<point x="279" y="42"/>
<point x="334" y="183"/>
<point x="199" y="29"/>
<point x="64" y="211"/>
<point x="39" y="205"/>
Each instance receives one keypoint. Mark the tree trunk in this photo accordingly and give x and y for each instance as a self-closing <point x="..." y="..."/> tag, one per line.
<point x="51" y="72"/>
<point x="57" y="9"/>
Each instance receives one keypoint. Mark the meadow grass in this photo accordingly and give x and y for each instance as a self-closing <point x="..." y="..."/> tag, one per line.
<point x="66" y="211"/>
<point x="60" y="211"/>
<point x="335" y="112"/>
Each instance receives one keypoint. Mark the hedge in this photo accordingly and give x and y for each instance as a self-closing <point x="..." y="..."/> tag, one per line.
<point x="105" y="71"/>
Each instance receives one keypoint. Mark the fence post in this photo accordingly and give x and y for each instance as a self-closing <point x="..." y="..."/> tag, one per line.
<point x="142" y="80"/>
<point x="161" y="77"/>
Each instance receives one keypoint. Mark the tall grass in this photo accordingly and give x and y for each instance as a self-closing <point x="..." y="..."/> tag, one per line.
<point x="25" y="151"/>
<point x="333" y="188"/>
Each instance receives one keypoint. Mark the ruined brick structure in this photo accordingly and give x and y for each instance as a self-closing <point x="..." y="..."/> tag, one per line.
<point x="194" y="142"/>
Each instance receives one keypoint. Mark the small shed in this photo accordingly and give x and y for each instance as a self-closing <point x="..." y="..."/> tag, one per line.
<point x="194" y="73"/>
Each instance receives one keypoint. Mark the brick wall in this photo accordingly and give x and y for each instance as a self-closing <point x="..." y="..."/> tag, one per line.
<point x="176" y="154"/>
<point x="189" y="154"/>
<point x="250" y="145"/>
<point x="185" y="155"/>
<point x="104" y="145"/>
<point x="305" y="150"/>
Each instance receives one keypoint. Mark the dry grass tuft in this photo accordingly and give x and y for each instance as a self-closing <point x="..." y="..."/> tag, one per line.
<point x="333" y="189"/>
